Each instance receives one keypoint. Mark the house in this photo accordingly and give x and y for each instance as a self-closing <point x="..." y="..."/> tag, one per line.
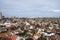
<point x="15" y="37"/>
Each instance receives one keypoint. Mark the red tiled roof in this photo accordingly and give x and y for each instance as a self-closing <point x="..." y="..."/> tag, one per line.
<point x="4" y="34"/>
<point x="39" y="35"/>
<point x="13" y="37"/>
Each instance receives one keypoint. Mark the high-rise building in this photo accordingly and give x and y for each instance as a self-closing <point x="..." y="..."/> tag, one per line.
<point x="0" y="15"/>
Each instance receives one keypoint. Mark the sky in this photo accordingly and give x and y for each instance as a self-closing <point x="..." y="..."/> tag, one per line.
<point x="30" y="8"/>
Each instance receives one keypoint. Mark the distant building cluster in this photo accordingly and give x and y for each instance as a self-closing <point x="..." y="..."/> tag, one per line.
<point x="30" y="29"/>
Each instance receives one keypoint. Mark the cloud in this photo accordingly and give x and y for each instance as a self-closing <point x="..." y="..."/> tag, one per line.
<point x="58" y="11"/>
<point x="55" y="11"/>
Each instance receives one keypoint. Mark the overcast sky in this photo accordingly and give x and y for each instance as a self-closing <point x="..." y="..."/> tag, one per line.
<point x="29" y="8"/>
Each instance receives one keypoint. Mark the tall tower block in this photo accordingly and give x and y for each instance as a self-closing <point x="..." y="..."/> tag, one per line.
<point x="0" y="15"/>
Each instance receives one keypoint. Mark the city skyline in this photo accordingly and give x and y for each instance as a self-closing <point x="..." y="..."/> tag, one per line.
<point x="30" y="8"/>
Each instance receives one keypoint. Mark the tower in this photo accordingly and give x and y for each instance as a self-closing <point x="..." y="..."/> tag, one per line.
<point x="0" y="15"/>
